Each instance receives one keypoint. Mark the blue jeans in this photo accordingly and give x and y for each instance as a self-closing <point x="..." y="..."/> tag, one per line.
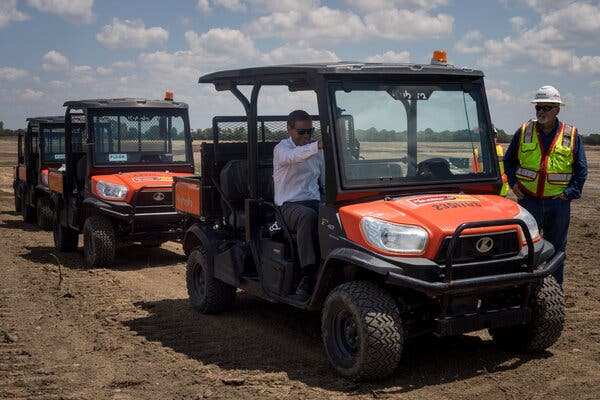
<point x="552" y="217"/>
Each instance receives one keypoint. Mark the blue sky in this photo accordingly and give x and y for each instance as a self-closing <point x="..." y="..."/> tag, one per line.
<point x="57" y="50"/>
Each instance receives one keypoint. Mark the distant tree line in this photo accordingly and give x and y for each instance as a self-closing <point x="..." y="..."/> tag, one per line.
<point x="9" y="132"/>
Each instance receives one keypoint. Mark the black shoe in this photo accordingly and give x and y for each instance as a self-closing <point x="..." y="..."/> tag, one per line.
<point x="305" y="287"/>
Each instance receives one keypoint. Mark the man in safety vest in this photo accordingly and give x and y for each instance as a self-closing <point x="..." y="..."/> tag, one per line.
<point x="500" y="154"/>
<point x="546" y="169"/>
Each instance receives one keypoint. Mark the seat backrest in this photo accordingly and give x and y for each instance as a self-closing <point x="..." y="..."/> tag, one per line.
<point x="233" y="180"/>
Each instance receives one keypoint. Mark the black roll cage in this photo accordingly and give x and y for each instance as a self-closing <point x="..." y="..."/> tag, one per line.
<point x="86" y="108"/>
<point x="320" y="78"/>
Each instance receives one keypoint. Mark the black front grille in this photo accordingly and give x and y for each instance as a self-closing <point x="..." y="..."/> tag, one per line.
<point x="153" y="198"/>
<point x="505" y="244"/>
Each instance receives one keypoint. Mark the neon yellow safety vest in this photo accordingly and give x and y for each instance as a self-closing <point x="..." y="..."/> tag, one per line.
<point x="545" y="175"/>
<point x="500" y="154"/>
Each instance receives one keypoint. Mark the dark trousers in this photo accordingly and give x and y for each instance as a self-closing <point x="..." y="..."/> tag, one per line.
<point x="552" y="217"/>
<point x="301" y="219"/>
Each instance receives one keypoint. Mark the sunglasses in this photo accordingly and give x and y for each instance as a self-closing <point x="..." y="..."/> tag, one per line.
<point x="310" y="131"/>
<point x="544" y="108"/>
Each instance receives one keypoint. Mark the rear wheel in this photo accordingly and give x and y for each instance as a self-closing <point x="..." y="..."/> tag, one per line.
<point x="207" y="294"/>
<point x="65" y="238"/>
<point x="45" y="213"/>
<point x="362" y="331"/>
<point x="546" y="325"/>
<point x="27" y="211"/>
<point x="98" y="242"/>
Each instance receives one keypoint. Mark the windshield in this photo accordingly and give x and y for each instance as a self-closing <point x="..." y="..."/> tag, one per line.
<point x="411" y="134"/>
<point x="148" y="136"/>
<point x="53" y="144"/>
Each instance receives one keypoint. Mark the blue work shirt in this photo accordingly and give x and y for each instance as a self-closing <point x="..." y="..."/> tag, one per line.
<point x="580" y="169"/>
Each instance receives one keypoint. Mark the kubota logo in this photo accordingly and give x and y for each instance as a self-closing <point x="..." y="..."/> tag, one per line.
<point x="484" y="245"/>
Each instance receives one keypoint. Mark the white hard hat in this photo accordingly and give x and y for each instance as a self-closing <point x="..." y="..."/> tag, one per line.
<point x="547" y="94"/>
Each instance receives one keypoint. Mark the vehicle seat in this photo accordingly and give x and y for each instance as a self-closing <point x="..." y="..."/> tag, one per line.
<point x="234" y="180"/>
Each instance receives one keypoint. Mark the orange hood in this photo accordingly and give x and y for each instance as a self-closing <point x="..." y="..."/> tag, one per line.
<point x="134" y="181"/>
<point x="439" y="214"/>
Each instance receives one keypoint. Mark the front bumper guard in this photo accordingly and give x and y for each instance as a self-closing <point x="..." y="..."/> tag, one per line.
<point x="476" y="283"/>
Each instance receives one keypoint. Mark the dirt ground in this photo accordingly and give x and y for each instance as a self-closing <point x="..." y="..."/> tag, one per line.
<point x="128" y="332"/>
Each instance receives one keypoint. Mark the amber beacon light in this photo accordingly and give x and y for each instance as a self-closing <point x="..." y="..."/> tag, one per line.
<point x="439" y="57"/>
<point x="169" y="96"/>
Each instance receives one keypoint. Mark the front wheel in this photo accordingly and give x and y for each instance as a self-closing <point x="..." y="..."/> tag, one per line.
<point x="362" y="331"/>
<point x="98" y="242"/>
<point x="207" y="294"/>
<point x="45" y="213"/>
<point x="546" y="325"/>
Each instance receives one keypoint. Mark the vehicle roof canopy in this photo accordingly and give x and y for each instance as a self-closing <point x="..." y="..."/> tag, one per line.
<point x="124" y="103"/>
<point x="59" y="119"/>
<point x="295" y="76"/>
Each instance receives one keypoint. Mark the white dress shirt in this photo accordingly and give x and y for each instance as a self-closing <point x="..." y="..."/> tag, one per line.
<point x="296" y="171"/>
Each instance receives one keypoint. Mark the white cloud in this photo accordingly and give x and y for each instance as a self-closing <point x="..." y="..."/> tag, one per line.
<point x="28" y="94"/>
<point x="327" y="25"/>
<point x="123" y="64"/>
<point x="54" y="61"/>
<point x="104" y="71"/>
<point x="283" y="5"/>
<point x="131" y="34"/>
<point x="588" y="64"/>
<point x="233" y="5"/>
<point x="203" y="6"/>
<point x="298" y="53"/>
<point x="544" y="5"/>
<point x="59" y="84"/>
<point x="322" y="23"/>
<point x="595" y="83"/>
<point x="377" y="5"/>
<point x="390" y="57"/>
<point x="221" y="46"/>
<point x="552" y="44"/>
<point x="398" y="24"/>
<point x="469" y="43"/>
<point x="498" y="95"/>
<point x="9" y="13"/>
<point x="12" y="74"/>
<point x="82" y="74"/>
<point x="78" y="11"/>
<point x="518" y="23"/>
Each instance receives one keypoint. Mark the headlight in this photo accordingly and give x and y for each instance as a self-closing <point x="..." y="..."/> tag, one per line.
<point x="393" y="237"/>
<point x="526" y="217"/>
<point x="111" y="190"/>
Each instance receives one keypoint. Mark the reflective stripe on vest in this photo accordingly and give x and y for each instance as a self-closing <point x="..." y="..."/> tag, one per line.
<point x="528" y="173"/>
<point x="559" y="177"/>
<point x="545" y="175"/>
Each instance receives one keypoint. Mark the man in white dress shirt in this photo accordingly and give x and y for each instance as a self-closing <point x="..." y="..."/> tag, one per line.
<point x="297" y="168"/>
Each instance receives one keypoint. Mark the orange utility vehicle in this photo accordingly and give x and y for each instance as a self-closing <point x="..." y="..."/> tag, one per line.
<point x="116" y="186"/>
<point x="412" y="239"/>
<point x="42" y="147"/>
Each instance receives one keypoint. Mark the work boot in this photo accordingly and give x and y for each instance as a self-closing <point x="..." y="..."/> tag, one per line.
<point x="305" y="288"/>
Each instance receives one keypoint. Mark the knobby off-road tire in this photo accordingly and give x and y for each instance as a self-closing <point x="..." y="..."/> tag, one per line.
<point x="27" y="212"/>
<point x="207" y="294"/>
<point x="65" y="238"/>
<point x="98" y="242"/>
<point x="362" y="331"/>
<point x="548" y="318"/>
<point x="45" y="213"/>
